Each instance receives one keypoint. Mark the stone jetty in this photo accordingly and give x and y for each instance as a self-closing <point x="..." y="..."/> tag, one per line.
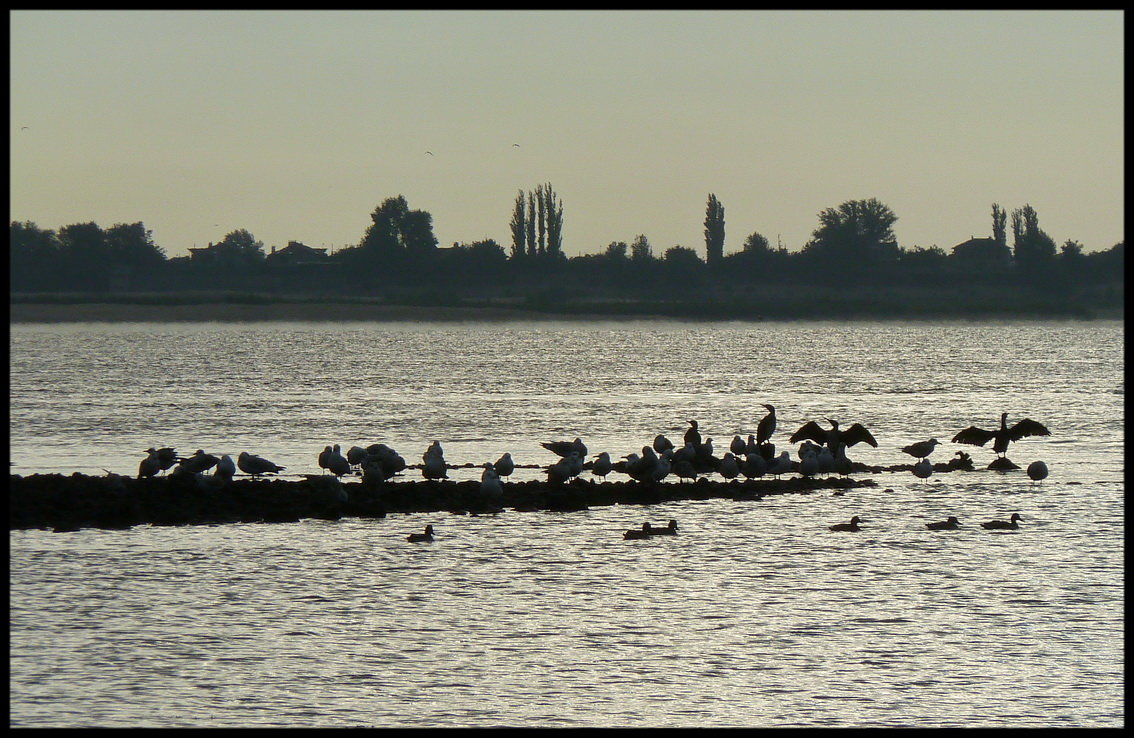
<point x="67" y="503"/>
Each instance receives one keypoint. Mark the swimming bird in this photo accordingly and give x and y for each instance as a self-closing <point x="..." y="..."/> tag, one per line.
<point x="1009" y="524"/>
<point x="563" y="449"/>
<point x="851" y="526"/>
<point x="426" y="536"/>
<point x="668" y="530"/>
<point x="923" y="469"/>
<point x="921" y="449"/>
<point x="1037" y="471"/>
<point x="950" y="524"/>
<point x="1003" y="435"/>
<point x="767" y="425"/>
<point x="198" y="462"/>
<point x="504" y="466"/>
<point x="602" y="465"/>
<point x="225" y="469"/>
<point x="833" y="436"/>
<point x="637" y="534"/>
<point x="256" y="465"/>
<point x="692" y="435"/>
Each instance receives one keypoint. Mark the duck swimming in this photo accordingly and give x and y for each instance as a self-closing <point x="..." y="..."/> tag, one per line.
<point x="668" y="530"/>
<point x="851" y="526"/>
<point x="1009" y="524"/>
<point x="951" y="524"/>
<point x="426" y="536"/>
<point x="637" y="534"/>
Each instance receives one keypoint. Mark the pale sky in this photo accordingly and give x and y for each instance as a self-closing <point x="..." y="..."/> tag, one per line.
<point x="295" y="125"/>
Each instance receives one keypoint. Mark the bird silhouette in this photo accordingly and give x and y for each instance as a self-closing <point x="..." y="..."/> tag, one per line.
<point x="1009" y="524"/>
<point x="833" y="436"/>
<point x="767" y="425"/>
<point x="852" y="526"/>
<point x="1003" y="435"/>
<point x="921" y="449"/>
<point x="426" y="536"/>
<point x="951" y="524"/>
<point x="1037" y="471"/>
<point x="256" y="465"/>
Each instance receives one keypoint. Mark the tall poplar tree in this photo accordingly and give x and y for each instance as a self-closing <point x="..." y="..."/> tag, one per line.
<point x="714" y="230"/>
<point x="519" y="227"/>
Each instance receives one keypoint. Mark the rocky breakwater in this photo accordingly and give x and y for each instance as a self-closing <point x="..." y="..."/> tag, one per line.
<point x="66" y="503"/>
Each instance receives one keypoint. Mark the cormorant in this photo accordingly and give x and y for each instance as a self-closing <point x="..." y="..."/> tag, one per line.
<point x="767" y="425"/>
<point x="692" y="435"/>
<point x="832" y="436"/>
<point x="1002" y="436"/>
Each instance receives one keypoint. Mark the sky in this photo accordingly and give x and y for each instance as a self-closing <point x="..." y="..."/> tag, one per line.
<point x="296" y="125"/>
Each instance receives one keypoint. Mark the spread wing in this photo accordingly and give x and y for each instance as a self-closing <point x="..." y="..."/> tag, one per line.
<point x="810" y="430"/>
<point x="857" y="433"/>
<point x="973" y="435"/>
<point x="1027" y="427"/>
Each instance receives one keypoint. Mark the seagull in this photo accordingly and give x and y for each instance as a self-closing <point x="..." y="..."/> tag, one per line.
<point x="1010" y="524"/>
<point x="921" y="449"/>
<point x="809" y="464"/>
<point x="516" y="145"/>
<point x="601" y="465"/>
<point x="225" y="469"/>
<point x="729" y="468"/>
<point x="832" y="436"/>
<point x="504" y="466"/>
<point x="1002" y="436"/>
<point x="356" y="455"/>
<point x="490" y="482"/>
<point x="433" y="467"/>
<point x="1037" y="471"/>
<point x="337" y="464"/>
<point x="662" y="444"/>
<point x="149" y="466"/>
<point x="429" y="152"/>
<point x="325" y="458"/>
<point x="256" y="465"/>
<point x="165" y="456"/>
<point x="923" y="469"/>
<point x="564" y="448"/>
<point x="754" y="465"/>
<point x="951" y="524"/>
<point x="426" y="536"/>
<point x="780" y="465"/>
<point x="198" y="462"/>
<point x="851" y="526"/>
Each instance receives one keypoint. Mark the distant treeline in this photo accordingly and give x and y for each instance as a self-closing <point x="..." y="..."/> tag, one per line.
<point x="851" y="262"/>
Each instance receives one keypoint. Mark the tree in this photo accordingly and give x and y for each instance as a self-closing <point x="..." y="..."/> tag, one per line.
<point x="34" y="256"/>
<point x="554" y="221"/>
<point x="756" y="244"/>
<point x="519" y="227"/>
<point x="531" y="225"/>
<point x="1033" y="249"/>
<point x="857" y="234"/>
<point x="240" y="246"/>
<point x="714" y="230"/>
<point x="640" y="250"/>
<point x="541" y="218"/>
<point x="132" y="245"/>
<point x="617" y="250"/>
<point x="397" y="231"/>
<point x="999" y="217"/>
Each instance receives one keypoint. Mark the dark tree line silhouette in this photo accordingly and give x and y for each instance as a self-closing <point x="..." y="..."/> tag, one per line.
<point x="852" y="252"/>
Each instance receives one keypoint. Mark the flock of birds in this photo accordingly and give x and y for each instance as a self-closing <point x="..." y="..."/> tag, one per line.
<point x="821" y="450"/>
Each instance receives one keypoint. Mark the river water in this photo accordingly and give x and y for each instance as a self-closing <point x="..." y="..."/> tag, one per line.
<point x="754" y="615"/>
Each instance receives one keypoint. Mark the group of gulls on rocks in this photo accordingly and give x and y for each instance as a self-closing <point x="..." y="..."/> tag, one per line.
<point x="821" y="450"/>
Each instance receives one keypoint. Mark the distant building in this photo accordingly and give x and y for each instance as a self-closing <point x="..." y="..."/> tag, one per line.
<point x="297" y="254"/>
<point x="983" y="252"/>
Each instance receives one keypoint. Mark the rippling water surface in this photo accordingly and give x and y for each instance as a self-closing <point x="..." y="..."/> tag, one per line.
<point x="754" y="615"/>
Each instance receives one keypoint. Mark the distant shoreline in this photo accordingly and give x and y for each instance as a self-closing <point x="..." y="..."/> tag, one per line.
<point x="120" y="311"/>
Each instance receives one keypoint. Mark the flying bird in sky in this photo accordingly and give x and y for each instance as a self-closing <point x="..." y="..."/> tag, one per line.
<point x="429" y="152"/>
<point x="516" y="145"/>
